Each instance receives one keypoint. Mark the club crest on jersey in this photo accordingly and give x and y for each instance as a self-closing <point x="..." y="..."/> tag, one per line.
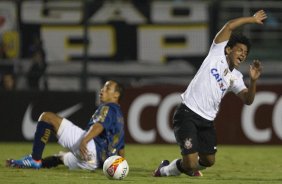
<point x="188" y="143"/>
<point x="218" y="78"/>
<point x="103" y="113"/>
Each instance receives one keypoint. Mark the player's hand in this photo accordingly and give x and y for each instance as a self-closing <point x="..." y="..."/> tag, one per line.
<point x="259" y="16"/>
<point x="83" y="150"/>
<point x="255" y="70"/>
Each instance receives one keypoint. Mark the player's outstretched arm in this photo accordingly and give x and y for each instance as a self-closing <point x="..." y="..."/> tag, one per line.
<point x="226" y="31"/>
<point x="248" y="95"/>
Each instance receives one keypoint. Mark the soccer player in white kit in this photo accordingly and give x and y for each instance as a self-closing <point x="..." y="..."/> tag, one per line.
<point x="193" y="120"/>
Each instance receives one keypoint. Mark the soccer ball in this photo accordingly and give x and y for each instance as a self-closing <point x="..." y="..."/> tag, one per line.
<point x="115" y="167"/>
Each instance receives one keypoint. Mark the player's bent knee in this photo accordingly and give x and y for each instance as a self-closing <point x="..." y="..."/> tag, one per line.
<point x="208" y="162"/>
<point x="45" y="116"/>
<point x="50" y="118"/>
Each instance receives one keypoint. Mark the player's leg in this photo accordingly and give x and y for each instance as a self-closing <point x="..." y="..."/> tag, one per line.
<point x="185" y="132"/>
<point x="52" y="119"/>
<point x="206" y="160"/>
<point x="47" y="123"/>
<point x="70" y="136"/>
<point x="190" y="165"/>
<point x="187" y="165"/>
<point x="53" y="160"/>
<point x="207" y="143"/>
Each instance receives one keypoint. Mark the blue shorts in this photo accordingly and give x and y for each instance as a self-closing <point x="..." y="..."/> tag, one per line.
<point x="193" y="133"/>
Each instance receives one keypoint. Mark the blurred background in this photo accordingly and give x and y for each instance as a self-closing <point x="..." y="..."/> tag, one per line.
<point x="56" y="55"/>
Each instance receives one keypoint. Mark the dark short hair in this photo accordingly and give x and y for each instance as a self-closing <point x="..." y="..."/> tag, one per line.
<point x="119" y="88"/>
<point x="238" y="38"/>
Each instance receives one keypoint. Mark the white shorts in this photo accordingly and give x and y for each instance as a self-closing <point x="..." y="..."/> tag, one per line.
<point x="70" y="136"/>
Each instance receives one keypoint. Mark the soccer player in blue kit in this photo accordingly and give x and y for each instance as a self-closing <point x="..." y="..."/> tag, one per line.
<point x="193" y="119"/>
<point x="89" y="148"/>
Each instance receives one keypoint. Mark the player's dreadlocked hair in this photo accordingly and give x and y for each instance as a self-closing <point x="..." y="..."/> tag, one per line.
<point x="238" y="38"/>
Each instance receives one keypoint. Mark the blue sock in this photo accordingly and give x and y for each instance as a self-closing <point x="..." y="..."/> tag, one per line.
<point x="42" y="135"/>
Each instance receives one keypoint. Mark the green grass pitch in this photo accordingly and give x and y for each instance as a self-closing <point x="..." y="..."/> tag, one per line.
<point x="234" y="164"/>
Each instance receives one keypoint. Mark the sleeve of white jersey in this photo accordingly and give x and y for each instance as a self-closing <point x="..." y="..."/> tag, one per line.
<point x="218" y="48"/>
<point x="239" y="85"/>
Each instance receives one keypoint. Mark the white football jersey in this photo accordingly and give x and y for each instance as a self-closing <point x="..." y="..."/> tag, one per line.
<point x="212" y="81"/>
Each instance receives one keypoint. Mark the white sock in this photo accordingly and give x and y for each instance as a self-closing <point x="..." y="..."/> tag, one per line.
<point x="170" y="170"/>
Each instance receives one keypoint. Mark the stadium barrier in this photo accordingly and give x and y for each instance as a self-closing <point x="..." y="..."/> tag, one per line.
<point x="148" y="112"/>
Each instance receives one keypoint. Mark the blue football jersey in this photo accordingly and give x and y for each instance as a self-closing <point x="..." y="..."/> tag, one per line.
<point x="111" y="140"/>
